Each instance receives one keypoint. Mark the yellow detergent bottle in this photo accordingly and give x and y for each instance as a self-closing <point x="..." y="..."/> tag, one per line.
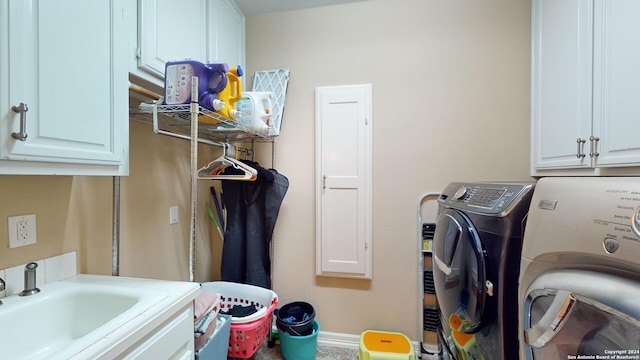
<point x="231" y="93"/>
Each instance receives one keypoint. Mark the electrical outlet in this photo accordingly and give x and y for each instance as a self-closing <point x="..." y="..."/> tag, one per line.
<point x="22" y="230"/>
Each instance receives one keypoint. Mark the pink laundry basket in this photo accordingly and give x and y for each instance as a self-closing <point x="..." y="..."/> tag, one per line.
<point x="249" y="332"/>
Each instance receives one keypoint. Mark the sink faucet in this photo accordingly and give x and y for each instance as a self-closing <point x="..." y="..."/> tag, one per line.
<point x="30" y="280"/>
<point x="2" y="287"/>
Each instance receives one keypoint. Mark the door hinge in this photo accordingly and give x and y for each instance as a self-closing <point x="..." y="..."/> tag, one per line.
<point x="138" y="53"/>
<point x="366" y="121"/>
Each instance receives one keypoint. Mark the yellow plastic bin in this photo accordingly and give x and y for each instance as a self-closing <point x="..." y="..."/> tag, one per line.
<point x="385" y="345"/>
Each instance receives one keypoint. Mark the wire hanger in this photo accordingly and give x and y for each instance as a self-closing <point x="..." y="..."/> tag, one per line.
<point x="215" y="169"/>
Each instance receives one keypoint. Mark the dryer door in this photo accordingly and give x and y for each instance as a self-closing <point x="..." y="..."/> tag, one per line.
<point x="459" y="272"/>
<point x="582" y="314"/>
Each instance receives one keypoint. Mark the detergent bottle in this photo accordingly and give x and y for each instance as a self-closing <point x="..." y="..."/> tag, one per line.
<point x="211" y="80"/>
<point x="216" y="82"/>
<point x="255" y="111"/>
<point x="231" y="93"/>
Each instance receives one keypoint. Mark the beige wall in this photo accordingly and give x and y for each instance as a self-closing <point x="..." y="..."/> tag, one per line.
<point x="75" y="214"/>
<point x="72" y="214"/>
<point x="159" y="178"/>
<point x="451" y="102"/>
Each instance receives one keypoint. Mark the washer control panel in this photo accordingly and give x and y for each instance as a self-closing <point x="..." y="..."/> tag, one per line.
<point x="485" y="198"/>
<point x="595" y="220"/>
<point x="635" y="222"/>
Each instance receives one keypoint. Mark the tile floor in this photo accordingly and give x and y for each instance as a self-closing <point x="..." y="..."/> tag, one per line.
<point x="323" y="352"/>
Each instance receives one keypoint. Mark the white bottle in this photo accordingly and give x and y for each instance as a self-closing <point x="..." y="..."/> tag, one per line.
<point x="255" y="111"/>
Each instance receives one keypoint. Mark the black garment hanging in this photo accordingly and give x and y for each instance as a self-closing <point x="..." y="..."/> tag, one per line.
<point x="252" y="211"/>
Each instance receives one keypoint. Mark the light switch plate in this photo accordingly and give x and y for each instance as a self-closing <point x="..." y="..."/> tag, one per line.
<point x="173" y="215"/>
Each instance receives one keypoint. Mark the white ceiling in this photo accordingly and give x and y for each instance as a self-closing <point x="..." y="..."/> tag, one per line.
<point x="256" y="7"/>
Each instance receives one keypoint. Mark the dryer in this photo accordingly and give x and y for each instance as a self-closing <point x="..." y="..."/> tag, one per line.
<point x="476" y="252"/>
<point x="579" y="290"/>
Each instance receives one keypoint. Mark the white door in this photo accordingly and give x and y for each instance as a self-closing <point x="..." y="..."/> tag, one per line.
<point x="616" y="117"/>
<point x="64" y="60"/>
<point x="344" y="186"/>
<point x="561" y="83"/>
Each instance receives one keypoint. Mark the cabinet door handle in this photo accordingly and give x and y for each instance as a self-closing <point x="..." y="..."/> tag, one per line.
<point x="580" y="153"/>
<point x="594" y="146"/>
<point x="22" y="110"/>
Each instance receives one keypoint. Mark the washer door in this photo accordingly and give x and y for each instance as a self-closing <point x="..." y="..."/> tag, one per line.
<point x="459" y="272"/>
<point x="573" y="313"/>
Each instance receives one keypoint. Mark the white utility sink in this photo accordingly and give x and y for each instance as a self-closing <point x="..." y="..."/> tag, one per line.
<point x="69" y="317"/>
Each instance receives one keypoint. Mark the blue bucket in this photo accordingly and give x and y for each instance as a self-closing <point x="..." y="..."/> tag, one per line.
<point x="299" y="347"/>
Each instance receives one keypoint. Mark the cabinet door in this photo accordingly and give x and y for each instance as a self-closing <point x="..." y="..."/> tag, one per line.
<point x="561" y="82"/>
<point x="171" y="340"/>
<point x="65" y="61"/>
<point x="343" y="168"/>
<point x="616" y="118"/>
<point x="227" y="33"/>
<point x="171" y="30"/>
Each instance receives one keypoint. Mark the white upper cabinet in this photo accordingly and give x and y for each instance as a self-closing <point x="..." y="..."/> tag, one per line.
<point x="227" y="33"/>
<point x="65" y="62"/>
<point x="616" y="79"/>
<point x="561" y="81"/>
<point x="173" y="30"/>
<point x="585" y="85"/>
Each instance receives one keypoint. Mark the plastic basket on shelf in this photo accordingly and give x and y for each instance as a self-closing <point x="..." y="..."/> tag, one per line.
<point x="249" y="332"/>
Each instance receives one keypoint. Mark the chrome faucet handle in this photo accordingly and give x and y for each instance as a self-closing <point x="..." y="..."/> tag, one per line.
<point x="30" y="280"/>
<point x="2" y="287"/>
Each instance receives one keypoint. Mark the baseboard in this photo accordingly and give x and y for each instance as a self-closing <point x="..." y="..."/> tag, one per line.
<point x="339" y="339"/>
<point x="335" y="339"/>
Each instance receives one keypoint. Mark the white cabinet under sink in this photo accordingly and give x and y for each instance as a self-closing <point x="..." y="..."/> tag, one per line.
<point x="585" y="87"/>
<point x="170" y="30"/>
<point x="173" y="337"/>
<point x="63" y="88"/>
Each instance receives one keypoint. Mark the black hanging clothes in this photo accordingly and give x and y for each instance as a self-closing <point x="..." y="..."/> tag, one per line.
<point x="252" y="211"/>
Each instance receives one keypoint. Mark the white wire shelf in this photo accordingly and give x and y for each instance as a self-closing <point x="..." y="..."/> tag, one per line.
<point x="175" y="120"/>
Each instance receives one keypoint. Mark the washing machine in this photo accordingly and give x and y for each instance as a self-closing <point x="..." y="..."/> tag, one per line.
<point x="476" y="252"/>
<point x="579" y="290"/>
